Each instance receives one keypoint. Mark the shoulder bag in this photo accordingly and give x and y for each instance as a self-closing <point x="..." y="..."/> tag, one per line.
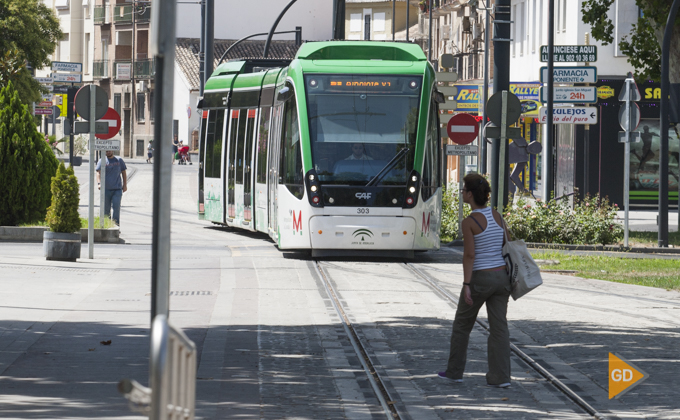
<point x="525" y="275"/>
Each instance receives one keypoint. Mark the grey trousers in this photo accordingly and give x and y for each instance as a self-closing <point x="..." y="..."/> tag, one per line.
<point x="492" y="288"/>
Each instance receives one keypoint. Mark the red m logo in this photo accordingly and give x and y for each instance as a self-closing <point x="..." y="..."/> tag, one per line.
<point x="426" y="224"/>
<point x="297" y="222"/>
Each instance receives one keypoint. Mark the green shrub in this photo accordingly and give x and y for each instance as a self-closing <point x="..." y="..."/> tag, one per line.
<point x="449" y="229"/>
<point x="62" y="215"/>
<point x="26" y="163"/>
<point x="591" y="221"/>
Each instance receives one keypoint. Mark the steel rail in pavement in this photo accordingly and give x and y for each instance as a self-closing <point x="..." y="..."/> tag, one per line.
<point x="373" y="377"/>
<point x="568" y="392"/>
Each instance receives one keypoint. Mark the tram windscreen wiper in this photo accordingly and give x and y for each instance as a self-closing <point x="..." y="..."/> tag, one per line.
<point x="391" y="164"/>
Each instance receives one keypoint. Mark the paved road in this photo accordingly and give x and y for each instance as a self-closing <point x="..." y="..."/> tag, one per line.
<point x="270" y="346"/>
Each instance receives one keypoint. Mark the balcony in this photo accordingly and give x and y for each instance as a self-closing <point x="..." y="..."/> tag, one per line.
<point x="102" y="15"/>
<point x="145" y="69"/>
<point x="100" y="69"/>
<point x="122" y="70"/>
<point x="122" y="14"/>
<point x="143" y="12"/>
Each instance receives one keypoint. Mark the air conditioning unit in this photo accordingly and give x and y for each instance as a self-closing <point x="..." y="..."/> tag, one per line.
<point x="142" y="86"/>
<point x="126" y="88"/>
<point x="445" y="31"/>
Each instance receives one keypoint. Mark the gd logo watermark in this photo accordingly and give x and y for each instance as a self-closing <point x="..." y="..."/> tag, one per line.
<point x="623" y="376"/>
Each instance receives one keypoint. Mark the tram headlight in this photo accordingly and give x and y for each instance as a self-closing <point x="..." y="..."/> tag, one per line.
<point x="331" y="200"/>
<point x="313" y="83"/>
<point x="413" y="84"/>
<point x="313" y="188"/>
<point x="414" y="178"/>
<point x="394" y="201"/>
<point x="311" y="177"/>
<point x="412" y="189"/>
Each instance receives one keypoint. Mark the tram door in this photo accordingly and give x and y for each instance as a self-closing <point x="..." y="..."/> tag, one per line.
<point x="273" y="180"/>
<point x="248" y="166"/>
<point x="231" y="164"/>
<point x="240" y="162"/>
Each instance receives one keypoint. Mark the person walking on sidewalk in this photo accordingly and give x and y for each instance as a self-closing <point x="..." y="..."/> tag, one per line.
<point x="175" y="148"/>
<point x="485" y="280"/>
<point x="116" y="184"/>
<point x="149" y="151"/>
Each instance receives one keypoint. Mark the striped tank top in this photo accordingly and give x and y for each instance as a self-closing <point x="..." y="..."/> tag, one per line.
<point x="488" y="243"/>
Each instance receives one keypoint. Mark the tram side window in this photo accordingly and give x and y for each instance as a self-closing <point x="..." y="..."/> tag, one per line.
<point x="265" y="117"/>
<point x="240" y="144"/>
<point x="291" y="157"/>
<point x="431" y="175"/>
<point x="213" y="147"/>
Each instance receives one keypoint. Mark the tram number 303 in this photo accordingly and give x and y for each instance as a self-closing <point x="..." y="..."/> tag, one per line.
<point x="362" y="210"/>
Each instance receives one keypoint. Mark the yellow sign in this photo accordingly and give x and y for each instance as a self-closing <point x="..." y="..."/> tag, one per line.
<point x="604" y="92"/>
<point x="61" y="100"/>
<point x="623" y="376"/>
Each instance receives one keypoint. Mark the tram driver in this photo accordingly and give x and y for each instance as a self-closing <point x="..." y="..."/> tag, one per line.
<point x="358" y="153"/>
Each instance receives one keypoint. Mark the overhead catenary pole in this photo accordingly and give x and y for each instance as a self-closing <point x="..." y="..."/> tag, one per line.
<point x="209" y="39"/>
<point x="408" y="6"/>
<point x="429" y="36"/>
<point x="663" y="149"/>
<point x="501" y="82"/>
<point x="201" y="52"/>
<point x="394" y="15"/>
<point x="162" y="46"/>
<point x="547" y="176"/>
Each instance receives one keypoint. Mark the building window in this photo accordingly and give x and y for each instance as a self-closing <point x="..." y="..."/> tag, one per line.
<point x="116" y="102"/>
<point x="367" y="27"/>
<point x="564" y="15"/>
<point x="141" y="105"/>
<point x="86" y="55"/>
<point x="515" y="31"/>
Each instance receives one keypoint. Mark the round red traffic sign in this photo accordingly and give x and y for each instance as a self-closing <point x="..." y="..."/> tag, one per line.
<point x="113" y="119"/>
<point x="462" y="129"/>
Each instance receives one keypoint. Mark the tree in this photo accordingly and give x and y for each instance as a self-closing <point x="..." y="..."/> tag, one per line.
<point x="30" y="32"/>
<point x="62" y="216"/>
<point x="643" y="45"/>
<point x="27" y="164"/>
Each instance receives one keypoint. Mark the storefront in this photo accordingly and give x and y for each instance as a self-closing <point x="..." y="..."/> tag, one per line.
<point x="599" y="166"/>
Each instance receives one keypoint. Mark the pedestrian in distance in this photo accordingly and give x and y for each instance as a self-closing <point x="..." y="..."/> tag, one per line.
<point x="149" y="152"/>
<point x="115" y="184"/>
<point x="485" y="280"/>
<point x="175" y="148"/>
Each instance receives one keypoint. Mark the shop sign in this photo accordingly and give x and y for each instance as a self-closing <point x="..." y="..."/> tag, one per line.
<point x="605" y="92"/>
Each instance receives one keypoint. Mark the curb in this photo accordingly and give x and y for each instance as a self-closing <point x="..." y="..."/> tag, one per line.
<point x="608" y="248"/>
<point x="35" y="234"/>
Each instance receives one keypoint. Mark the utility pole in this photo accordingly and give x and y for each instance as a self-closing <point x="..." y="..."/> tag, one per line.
<point x="394" y="15"/>
<point x="338" y="19"/>
<point x="407" y="18"/>
<point x="548" y="164"/>
<point x="501" y="81"/>
<point x="484" y="144"/>
<point x="429" y="37"/>
<point x="665" y="106"/>
<point x="162" y="47"/>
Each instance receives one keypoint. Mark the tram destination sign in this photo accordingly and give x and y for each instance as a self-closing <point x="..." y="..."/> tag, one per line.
<point x="584" y="74"/>
<point x="570" y="53"/>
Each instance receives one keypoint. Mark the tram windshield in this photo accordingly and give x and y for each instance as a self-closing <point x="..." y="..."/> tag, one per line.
<point x="359" y="123"/>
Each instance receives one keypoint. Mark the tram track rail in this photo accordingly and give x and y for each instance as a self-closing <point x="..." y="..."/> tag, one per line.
<point x="549" y="377"/>
<point x="377" y="384"/>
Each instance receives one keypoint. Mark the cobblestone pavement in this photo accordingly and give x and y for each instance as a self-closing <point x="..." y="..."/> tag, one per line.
<point x="270" y="345"/>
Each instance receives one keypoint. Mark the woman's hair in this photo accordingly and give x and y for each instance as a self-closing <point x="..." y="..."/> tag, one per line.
<point x="478" y="186"/>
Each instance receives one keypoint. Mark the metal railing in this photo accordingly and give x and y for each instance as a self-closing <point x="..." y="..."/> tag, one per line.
<point x="100" y="69"/>
<point x="122" y="14"/>
<point x="143" y="11"/>
<point x="172" y="394"/>
<point x="145" y="69"/>
<point x="102" y="15"/>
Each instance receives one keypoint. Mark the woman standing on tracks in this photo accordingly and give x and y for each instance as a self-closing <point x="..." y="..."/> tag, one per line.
<point x="485" y="280"/>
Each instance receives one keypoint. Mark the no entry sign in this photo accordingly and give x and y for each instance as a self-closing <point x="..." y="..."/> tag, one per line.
<point x="112" y="118"/>
<point x="462" y="128"/>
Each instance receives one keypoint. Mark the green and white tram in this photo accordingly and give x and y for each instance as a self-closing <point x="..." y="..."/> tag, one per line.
<point x="337" y="152"/>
